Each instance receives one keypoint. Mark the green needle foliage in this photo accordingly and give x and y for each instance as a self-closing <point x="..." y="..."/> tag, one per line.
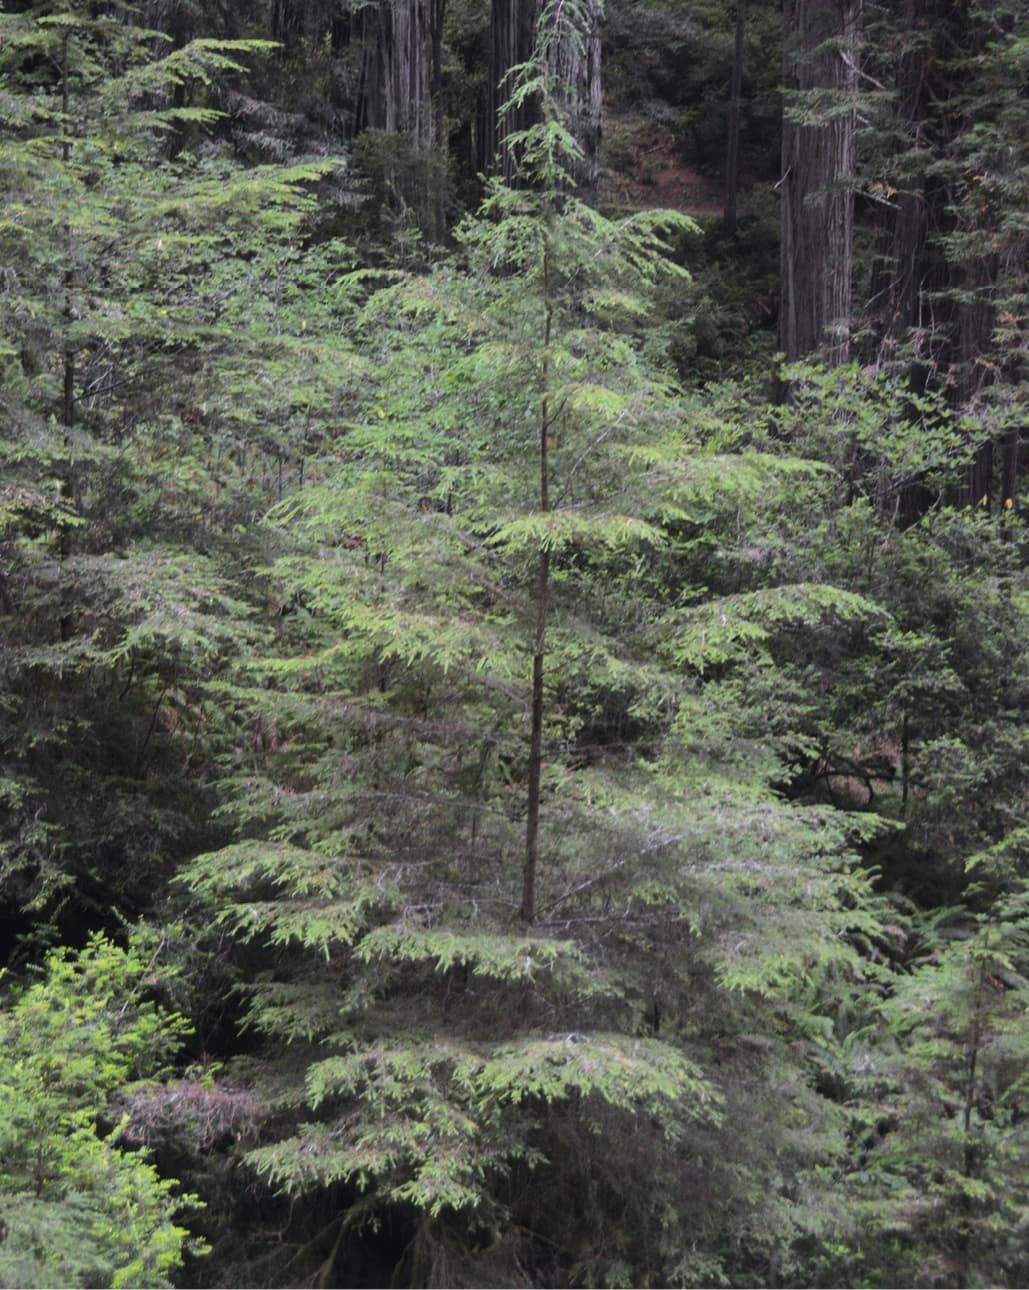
<point x="497" y="857"/>
<point x="946" y="1158"/>
<point x="146" y="285"/>
<point x="77" y="1206"/>
<point x="599" y="810"/>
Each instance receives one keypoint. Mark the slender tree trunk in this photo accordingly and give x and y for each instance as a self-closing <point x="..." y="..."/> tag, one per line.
<point x="534" y="786"/>
<point x="68" y="390"/>
<point x="439" y="16"/>
<point x="905" y="763"/>
<point x="818" y="164"/>
<point x="732" y="157"/>
<point x="535" y="768"/>
<point x="437" y="114"/>
<point x="1009" y="469"/>
<point x="971" y="1158"/>
<point x="68" y="384"/>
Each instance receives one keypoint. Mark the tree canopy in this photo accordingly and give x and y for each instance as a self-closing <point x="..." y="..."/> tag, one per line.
<point x="509" y="778"/>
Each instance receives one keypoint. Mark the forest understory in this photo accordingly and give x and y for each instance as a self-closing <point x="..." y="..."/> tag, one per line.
<point x="513" y="643"/>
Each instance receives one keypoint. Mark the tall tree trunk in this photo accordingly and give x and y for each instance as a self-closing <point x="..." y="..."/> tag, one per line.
<point x="68" y="383"/>
<point x="818" y="165"/>
<point x="512" y="41"/>
<point x="437" y="115"/>
<point x="402" y="93"/>
<point x="534" y="789"/>
<point x="952" y="264"/>
<point x="288" y="21"/>
<point x="911" y="272"/>
<point x="1009" y="468"/>
<point x="399" y="68"/>
<point x="573" y="62"/>
<point x="732" y="152"/>
<point x="573" y="58"/>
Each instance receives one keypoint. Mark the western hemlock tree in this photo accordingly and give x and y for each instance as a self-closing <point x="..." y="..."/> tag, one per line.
<point x="473" y="899"/>
<point x="147" y="292"/>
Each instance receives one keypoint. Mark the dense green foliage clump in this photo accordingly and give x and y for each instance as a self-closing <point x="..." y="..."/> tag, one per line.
<point x="483" y="804"/>
<point x="78" y="1208"/>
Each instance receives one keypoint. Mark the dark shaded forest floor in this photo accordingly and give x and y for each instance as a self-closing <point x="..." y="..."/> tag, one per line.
<point x="646" y="169"/>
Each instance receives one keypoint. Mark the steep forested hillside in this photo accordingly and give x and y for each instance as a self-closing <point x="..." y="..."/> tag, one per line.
<point x="513" y="627"/>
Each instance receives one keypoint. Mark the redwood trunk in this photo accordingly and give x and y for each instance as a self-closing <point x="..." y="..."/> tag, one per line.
<point x="573" y="64"/>
<point x="400" y="75"/>
<point x="818" y="164"/>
